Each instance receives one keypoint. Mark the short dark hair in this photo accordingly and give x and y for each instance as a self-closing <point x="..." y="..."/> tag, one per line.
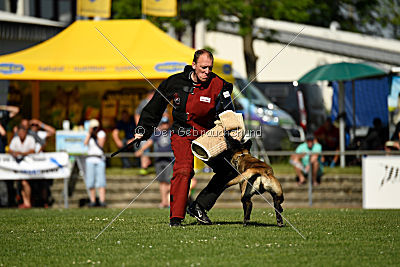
<point x="200" y="52"/>
<point x="21" y="127"/>
<point x="309" y="136"/>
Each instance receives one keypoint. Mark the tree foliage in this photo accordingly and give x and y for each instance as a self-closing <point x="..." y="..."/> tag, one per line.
<point x="377" y="17"/>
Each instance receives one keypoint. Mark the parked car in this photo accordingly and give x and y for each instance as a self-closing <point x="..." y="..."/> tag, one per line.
<point x="304" y="102"/>
<point x="276" y="125"/>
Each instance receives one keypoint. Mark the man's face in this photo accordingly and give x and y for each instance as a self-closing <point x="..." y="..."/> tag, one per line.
<point x="125" y="116"/>
<point x="310" y="143"/>
<point x="22" y="134"/>
<point x="35" y="127"/>
<point x="203" y="67"/>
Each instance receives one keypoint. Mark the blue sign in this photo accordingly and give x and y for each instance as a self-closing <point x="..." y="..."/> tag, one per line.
<point x="170" y="67"/>
<point x="227" y="69"/>
<point x="10" y="68"/>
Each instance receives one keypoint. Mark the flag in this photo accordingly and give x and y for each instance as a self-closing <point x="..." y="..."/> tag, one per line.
<point x="159" y="8"/>
<point x="94" y="8"/>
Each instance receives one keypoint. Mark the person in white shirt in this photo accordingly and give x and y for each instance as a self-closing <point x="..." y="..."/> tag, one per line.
<point x="95" y="163"/>
<point x="22" y="145"/>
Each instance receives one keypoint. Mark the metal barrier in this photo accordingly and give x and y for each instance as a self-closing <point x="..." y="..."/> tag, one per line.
<point x="266" y="154"/>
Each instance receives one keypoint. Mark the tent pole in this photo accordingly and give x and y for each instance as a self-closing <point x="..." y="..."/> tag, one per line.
<point x="341" y="124"/>
<point x="35" y="100"/>
<point x="354" y="108"/>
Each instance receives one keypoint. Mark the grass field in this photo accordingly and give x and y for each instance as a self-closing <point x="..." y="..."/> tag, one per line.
<point x="142" y="237"/>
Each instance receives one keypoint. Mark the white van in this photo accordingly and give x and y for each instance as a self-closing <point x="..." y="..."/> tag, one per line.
<point x="276" y="125"/>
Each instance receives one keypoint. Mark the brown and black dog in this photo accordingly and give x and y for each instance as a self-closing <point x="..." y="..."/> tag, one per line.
<point x="256" y="177"/>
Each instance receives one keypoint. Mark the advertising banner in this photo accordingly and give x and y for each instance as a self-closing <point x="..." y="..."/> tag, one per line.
<point x="381" y="182"/>
<point x="35" y="166"/>
<point x="94" y="8"/>
<point x="159" y="8"/>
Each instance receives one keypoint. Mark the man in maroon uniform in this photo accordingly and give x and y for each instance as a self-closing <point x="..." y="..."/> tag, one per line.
<point x="198" y="96"/>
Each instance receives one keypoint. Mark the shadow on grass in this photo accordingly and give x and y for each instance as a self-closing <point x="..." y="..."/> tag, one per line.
<point x="255" y="224"/>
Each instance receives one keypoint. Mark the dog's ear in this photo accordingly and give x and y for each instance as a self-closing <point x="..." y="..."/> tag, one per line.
<point x="230" y="142"/>
<point x="247" y="145"/>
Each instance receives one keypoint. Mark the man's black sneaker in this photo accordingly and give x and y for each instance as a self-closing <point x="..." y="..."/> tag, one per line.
<point x="175" y="222"/>
<point x="199" y="213"/>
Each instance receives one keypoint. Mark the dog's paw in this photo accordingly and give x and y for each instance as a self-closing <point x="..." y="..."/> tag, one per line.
<point x="246" y="223"/>
<point x="279" y="223"/>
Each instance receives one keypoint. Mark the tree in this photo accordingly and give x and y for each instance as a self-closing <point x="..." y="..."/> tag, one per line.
<point x="386" y="19"/>
<point x="247" y="11"/>
<point x="132" y="9"/>
<point x="127" y="9"/>
<point x="352" y="15"/>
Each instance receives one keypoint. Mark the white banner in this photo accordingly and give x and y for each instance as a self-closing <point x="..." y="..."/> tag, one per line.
<point x="381" y="182"/>
<point x="35" y="166"/>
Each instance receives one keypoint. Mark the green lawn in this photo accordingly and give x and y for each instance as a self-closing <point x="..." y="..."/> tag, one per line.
<point x="142" y="237"/>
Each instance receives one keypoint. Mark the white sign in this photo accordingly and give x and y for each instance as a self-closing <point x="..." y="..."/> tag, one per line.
<point x="35" y="166"/>
<point x="71" y="142"/>
<point x="381" y="182"/>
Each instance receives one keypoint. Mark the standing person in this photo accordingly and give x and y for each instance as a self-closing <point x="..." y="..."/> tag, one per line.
<point x="6" y="113"/>
<point x="198" y="96"/>
<point x="95" y="163"/>
<point x="302" y="162"/>
<point x="21" y="146"/>
<point x="43" y="131"/>
<point x="145" y="161"/>
<point x="328" y="137"/>
<point x="127" y="126"/>
<point x="376" y="137"/>
<point x="161" y="140"/>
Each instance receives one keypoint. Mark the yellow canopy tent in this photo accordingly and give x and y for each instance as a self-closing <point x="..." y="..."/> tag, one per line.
<point x="87" y="50"/>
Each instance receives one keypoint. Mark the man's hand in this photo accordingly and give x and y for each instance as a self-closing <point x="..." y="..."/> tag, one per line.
<point x="135" y="137"/>
<point x="307" y="168"/>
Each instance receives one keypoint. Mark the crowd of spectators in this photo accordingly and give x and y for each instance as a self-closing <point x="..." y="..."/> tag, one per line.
<point x="326" y="138"/>
<point x="28" y="137"/>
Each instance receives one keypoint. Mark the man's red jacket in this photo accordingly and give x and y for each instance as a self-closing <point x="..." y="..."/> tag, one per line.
<point x="196" y="106"/>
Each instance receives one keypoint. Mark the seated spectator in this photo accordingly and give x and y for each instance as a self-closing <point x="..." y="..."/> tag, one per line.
<point x="376" y="137"/>
<point x="302" y="162"/>
<point x="328" y="136"/>
<point x="396" y="133"/>
<point x="162" y="143"/>
<point x="95" y="163"/>
<point x="20" y="146"/>
<point x="393" y="144"/>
